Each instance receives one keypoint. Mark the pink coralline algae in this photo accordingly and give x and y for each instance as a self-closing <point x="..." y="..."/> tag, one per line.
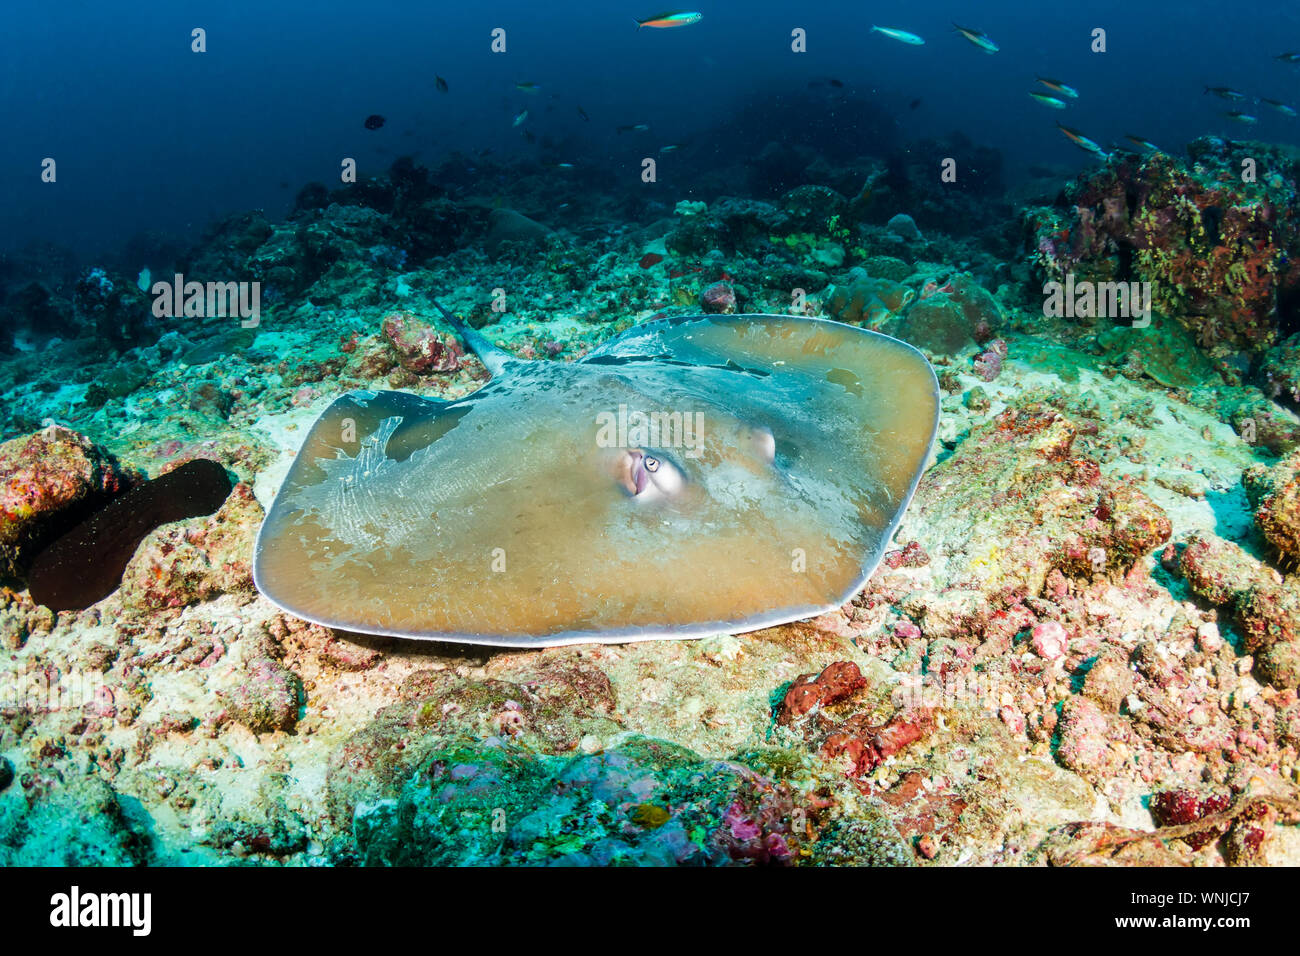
<point x="1049" y="640"/>
<point x="988" y="365"/>
<point x="835" y="683"/>
<point x="50" y="481"/>
<point x="420" y="348"/>
<point x="718" y="298"/>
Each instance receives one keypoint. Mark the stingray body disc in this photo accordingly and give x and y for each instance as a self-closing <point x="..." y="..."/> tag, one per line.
<point x="693" y="476"/>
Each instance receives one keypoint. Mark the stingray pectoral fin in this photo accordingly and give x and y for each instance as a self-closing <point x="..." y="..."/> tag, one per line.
<point x="872" y="400"/>
<point x="356" y="437"/>
<point x="854" y="414"/>
<point x="884" y="387"/>
<point x="343" y="428"/>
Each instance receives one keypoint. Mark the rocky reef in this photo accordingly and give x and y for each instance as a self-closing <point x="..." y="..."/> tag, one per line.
<point x="1215" y="236"/>
<point x="1082" y="648"/>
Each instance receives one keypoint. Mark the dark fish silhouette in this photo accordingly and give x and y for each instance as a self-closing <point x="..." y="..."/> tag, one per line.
<point x="86" y="564"/>
<point x="374" y="121"/>
<point x="440" y="83"/>
<point x="1225" y="93"/>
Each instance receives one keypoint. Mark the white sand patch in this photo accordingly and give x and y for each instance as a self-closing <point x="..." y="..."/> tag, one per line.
<point x="285" y="433"/>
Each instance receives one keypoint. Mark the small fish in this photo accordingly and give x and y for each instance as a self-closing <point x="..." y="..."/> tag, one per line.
<point x="902" y="36"/>
<point x="914" y="104"/>
<point x="1054" y="102"/>
<point x="374" y="121"/>
<point x="563" y="166"/>
<point x="1292" y="57"/>
<point x="520" y="118"/>
<point x="527" y="87"/>
<point x="1078" y="139"/>
<point x="1239" y="117"/>
<point x="650" y="259"/>
<point x="583" y="114"/>
<point x="663" y="21"/>
<point x="1282" y="108"/>
<point x="1141" y="143"/>
<point x="670" y="147"/>
<point x="981" y="40"/>
<point x="1225" y="93"/>
<point x="638" y="128"/>
<point x="1056" y="86"/>
<point x="837" y="84"/>
<point x="440" y="83"/>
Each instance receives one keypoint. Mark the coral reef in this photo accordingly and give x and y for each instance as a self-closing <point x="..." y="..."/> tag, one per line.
<point x="51" y="480"/>
<point x="643" y="802"/>
<point x="1218" y="247"/>
<point x="1081" y="648"/>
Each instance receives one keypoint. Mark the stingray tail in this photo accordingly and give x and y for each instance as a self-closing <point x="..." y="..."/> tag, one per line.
<point x="493" y="358"/>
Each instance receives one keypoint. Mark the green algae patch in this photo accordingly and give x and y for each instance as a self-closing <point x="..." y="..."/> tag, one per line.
<point x="1164" y="350"/>
<point x="224" y="345"/>
<point x="643" y="802"/>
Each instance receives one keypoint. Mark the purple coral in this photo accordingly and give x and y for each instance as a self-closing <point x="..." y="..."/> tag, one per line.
<point x="719" y="298"/>
<point x="988" y="365"/>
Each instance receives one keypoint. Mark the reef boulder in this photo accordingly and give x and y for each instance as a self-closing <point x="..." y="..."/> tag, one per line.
<point x="1275" y="494"/>
<point x="645" y="802"/>
<point x="49" y="482"/>
<point x="191" y="561"/>
<point x="506" y="226"/>
<point x="951" y="317"/>
<point x="419" y="347"/>
<point x="1220" y="252"/>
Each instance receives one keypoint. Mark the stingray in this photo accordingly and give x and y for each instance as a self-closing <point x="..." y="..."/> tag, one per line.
<point x="695" y="475"/>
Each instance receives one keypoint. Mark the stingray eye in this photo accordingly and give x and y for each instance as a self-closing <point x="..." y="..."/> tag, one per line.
<point x="664" y="475"/>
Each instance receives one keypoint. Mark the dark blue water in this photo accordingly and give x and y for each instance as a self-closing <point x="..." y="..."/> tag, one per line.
<point x="151" y="136"/>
